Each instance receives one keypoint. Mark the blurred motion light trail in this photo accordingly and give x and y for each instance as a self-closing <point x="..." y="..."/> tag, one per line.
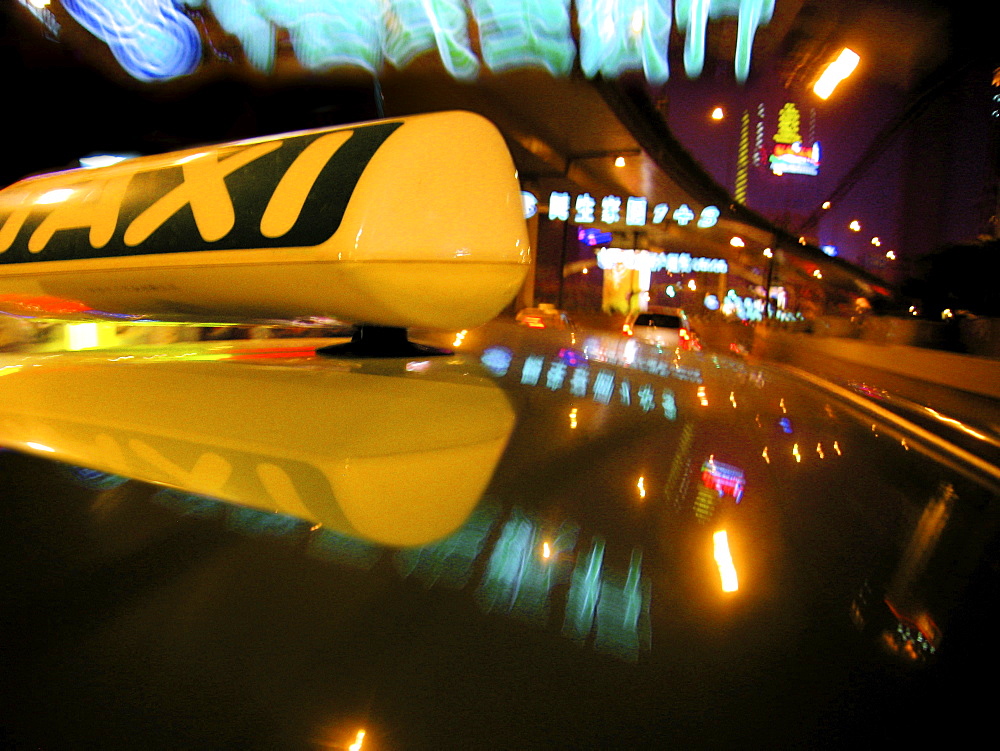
<point x="836" y="72"/>
<point x="724" y="560"/>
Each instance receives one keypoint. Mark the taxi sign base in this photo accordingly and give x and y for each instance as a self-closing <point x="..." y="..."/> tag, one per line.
<point x="381" y="341"/>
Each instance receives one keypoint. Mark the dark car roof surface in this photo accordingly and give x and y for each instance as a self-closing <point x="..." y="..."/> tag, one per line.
<point x="579" y="606"/>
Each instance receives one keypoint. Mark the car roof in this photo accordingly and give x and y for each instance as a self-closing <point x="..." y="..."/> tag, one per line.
<point x="588" y="572"/>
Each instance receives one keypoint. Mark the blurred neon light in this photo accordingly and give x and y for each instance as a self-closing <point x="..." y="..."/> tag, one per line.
<point x="622" y="36"/>
<point x="155" y="40"/>
<point x="40" y="446"/>
<point x="795" y="159"/>
<point x="645" y="260"/>
<point x="450" y="562"/>
<point x="636" y="210"/>
<point x="40" y="10"/>
<point x="836" y="72"/>
<point x="530" y="204"/>
<point x="515" y="581"/>
<point x="725" y="479"/>
<point x="103" y="160"/>
<point x="81" y="336"/>
<point x="151" y="40"/>
<point x="724" y="560"/>
<point x="693" y="15"/>
<point x="519" y="33"/>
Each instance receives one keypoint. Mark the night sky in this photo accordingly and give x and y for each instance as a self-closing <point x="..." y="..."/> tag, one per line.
<point x="931" y="182"/>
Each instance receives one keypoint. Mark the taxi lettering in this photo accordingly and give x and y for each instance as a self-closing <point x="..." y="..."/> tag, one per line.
<point x="287" y="192"/>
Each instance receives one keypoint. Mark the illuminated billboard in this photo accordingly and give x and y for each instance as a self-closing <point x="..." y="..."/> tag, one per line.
<point x="790" y="154"/>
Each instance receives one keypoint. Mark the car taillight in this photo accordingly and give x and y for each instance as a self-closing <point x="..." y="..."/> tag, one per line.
<point x="627" y="330"/>
<point x="534" y="322"/>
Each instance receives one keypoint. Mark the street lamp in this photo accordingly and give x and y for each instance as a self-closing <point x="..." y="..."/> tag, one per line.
<point x="836" y="72"/>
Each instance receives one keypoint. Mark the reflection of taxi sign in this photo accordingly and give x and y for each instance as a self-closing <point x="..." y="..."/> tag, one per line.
<point x="409" y="222"/>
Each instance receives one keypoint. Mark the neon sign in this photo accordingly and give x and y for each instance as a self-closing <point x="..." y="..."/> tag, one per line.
<point x="795" y="159"/>
<point x="790" y="155"/>
<point x="674" y="263"/>
<point x="155" y="40"/>
<point x="585" y="209"/>
<point x="726" y="479"/>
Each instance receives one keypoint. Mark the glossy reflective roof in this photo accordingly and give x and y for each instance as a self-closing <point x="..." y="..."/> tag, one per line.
<point x="581" y="604"/>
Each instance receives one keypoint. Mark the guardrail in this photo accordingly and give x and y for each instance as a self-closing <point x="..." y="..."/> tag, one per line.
<point x="973" y="373"/>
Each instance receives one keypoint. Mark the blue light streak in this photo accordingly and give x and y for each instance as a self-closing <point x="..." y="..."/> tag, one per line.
<point x="151" y="40"/>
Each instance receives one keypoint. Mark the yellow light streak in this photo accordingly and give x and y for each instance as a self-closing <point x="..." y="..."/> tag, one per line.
<point x="358" y="740"/>
<point x="641" y="485"/>
<point x="572" y="419"/>
<point x="958" y="424"/>
<point x="836" y="72"/>
<point x="724" y="560"/>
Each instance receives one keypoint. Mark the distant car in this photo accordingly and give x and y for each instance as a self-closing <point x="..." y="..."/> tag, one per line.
<point x="666" y="327"/>
<point x="545" y="316"/>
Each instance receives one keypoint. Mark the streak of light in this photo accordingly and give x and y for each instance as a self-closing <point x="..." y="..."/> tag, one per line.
<point x="724" y="560"/>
